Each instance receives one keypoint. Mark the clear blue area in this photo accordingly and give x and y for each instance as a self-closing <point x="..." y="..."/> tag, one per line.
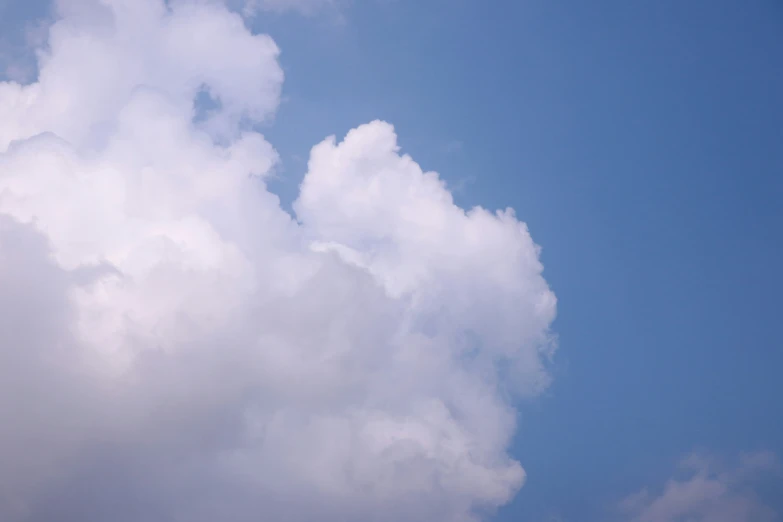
<point x="643" y="144"/>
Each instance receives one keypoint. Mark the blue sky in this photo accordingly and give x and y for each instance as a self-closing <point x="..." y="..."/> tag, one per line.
<point x="642" y="144"/>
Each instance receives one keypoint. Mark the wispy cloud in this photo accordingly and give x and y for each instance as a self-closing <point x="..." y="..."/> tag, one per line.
<point x="707" y="490"/>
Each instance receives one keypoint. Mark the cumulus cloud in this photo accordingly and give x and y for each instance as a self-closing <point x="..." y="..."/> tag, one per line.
<point x="708" y="491"/>
<point x="175" y="346"/>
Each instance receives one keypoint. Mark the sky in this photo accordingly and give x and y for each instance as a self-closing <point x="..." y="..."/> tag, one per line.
<point x="231" y="282"/>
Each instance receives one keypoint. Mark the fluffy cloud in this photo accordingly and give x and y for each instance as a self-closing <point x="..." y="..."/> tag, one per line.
<point x="708" y="492"/>
<point x="175" y="346"/>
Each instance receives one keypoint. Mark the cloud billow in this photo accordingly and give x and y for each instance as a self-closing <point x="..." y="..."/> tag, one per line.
<point x="175" y="346"/>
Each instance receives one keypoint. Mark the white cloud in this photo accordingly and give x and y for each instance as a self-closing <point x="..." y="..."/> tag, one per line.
<point x="709" y="492"/>
<point x="174" y="346"/>
<point x="101" y="53"/>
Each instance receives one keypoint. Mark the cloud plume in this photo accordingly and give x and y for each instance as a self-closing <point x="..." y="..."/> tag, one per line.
<point x="175" y="346"/>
